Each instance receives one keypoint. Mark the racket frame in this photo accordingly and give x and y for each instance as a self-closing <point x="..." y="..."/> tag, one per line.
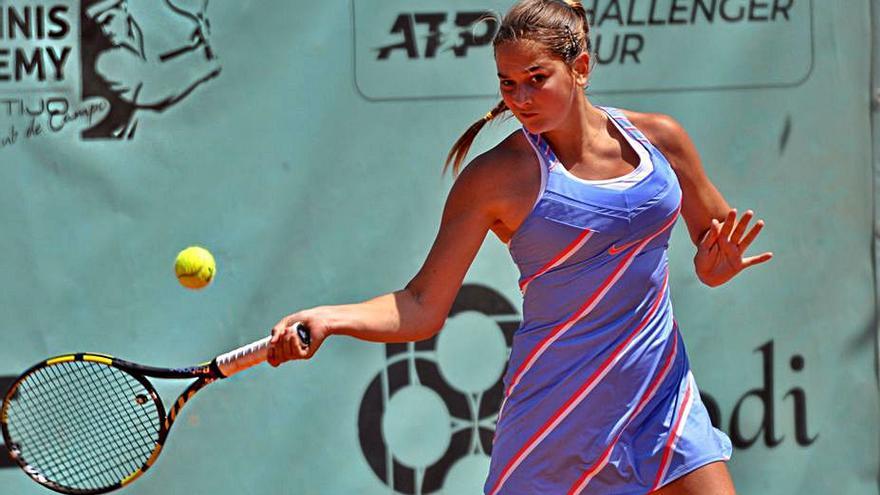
<point x="222" y="366"/>
<point x="204" y="373"/>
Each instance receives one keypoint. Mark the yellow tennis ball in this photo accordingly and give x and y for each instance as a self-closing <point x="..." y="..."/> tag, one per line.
<point x="194" y="267"/>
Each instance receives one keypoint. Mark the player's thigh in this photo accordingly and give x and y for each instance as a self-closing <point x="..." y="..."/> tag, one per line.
<point x="711" y="479"/>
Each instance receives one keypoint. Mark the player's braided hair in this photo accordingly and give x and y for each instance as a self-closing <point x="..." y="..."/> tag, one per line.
<point x="561" y="26"/>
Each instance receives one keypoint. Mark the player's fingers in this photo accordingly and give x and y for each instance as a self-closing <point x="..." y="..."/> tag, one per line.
<point x="276" y="334"/>
<point x="312" y="349"/>
<point x="757" y="260"/>
<point x="271" y="355"/>
<point x="727" y="248"/>
<point x="277" y="349"/>
<point x="711" y="234"/>
<point x="300" y="348"/>
<point x="728" y="224"/>
<point x="290" y="347"/>
<point x="753" y="233"/>
<point x="741" y="225"/>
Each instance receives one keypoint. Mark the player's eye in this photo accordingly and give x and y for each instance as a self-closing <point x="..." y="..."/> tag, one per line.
<point x="539" y="78"/>
<point x="506" y="83"/>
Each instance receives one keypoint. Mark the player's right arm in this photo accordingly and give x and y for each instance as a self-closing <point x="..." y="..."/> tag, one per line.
<point x="419" y="310"/>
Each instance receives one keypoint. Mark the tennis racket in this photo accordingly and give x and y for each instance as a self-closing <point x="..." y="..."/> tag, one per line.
<point x="91" y="423"/>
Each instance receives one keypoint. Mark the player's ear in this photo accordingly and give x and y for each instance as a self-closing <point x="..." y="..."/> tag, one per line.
<point x="580" y="68"/>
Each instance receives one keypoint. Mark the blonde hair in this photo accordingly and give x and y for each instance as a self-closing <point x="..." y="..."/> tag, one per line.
<point x="561" y="26"/>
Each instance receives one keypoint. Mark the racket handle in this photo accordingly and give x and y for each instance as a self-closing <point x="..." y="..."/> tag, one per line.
<point x="252" y="354"/>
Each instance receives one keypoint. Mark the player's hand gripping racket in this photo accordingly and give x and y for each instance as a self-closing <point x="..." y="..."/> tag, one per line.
<point x="89" y="423"/>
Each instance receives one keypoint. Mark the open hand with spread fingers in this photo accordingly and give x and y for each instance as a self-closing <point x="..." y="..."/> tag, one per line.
<point x="721" y="252"/>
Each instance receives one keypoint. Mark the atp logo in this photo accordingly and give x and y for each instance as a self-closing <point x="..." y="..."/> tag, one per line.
<point x="456" y="33"/>
<point x="411" y="49"/>
<point x="427" y="420"/>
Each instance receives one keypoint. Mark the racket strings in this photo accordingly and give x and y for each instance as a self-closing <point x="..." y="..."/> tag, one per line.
<point x="111" y="474"/>
<point x="57" y="459"/>
<point x="80" y="423"/>
<point x="83" y="425"/>
<point x="53" y="457"/>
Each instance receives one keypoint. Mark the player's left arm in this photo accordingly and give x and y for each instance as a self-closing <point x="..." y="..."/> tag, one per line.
<point x="720" y="236"/>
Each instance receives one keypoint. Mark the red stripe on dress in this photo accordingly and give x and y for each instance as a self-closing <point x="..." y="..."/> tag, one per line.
<point x="588" y="306"/>
<point x="580" y="394"/>
<point x="582" y="482"/>
<point x="566" y="253"/>
<point x="580" y="313"/>
<point x="588" y="475"/>
<point x="674" y="434"/>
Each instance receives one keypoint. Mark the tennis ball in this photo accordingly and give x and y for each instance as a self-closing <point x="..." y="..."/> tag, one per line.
<point x="194" y="267"/>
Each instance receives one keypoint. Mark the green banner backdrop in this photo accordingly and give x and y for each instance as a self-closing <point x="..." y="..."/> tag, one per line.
<point x="302" y="143"/>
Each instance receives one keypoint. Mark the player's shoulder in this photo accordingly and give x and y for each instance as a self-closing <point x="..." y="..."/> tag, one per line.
<point x="505" y="161"/>
<point x="668" y="135"/>
<point x="661" y="129"/>
<point x="499" y="177"/>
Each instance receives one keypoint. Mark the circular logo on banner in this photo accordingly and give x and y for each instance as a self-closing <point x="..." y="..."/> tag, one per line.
<point x="427" y="420"/>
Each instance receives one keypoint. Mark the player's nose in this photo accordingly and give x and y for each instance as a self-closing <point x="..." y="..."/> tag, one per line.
<point x="522" y="96"/>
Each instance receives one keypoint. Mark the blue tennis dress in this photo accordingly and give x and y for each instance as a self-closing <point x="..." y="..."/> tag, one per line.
<point x="599" y="397"/>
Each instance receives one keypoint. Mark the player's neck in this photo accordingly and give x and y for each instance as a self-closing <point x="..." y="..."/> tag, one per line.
<point x="574" y="142"/>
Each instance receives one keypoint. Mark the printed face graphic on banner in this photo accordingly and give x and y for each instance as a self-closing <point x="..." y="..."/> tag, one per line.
<point x="142" y="55"/>
<point x="97" y="65"/>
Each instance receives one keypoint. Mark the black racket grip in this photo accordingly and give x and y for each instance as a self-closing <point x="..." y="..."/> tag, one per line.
<point x="303" y="332"/>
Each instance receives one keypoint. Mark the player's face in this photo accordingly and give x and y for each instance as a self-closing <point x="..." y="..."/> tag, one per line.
<point x="537" y="87"/>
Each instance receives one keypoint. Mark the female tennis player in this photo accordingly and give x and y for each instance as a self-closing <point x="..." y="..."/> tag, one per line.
<point x="599" y="397"/>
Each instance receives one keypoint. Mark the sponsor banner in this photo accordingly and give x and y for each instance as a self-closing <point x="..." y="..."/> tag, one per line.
<point x="415" y="49"/>
<point x="302" y="143"/>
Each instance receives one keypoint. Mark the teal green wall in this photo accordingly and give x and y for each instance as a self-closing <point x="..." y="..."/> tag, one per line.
<point x="312" y="171"/>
